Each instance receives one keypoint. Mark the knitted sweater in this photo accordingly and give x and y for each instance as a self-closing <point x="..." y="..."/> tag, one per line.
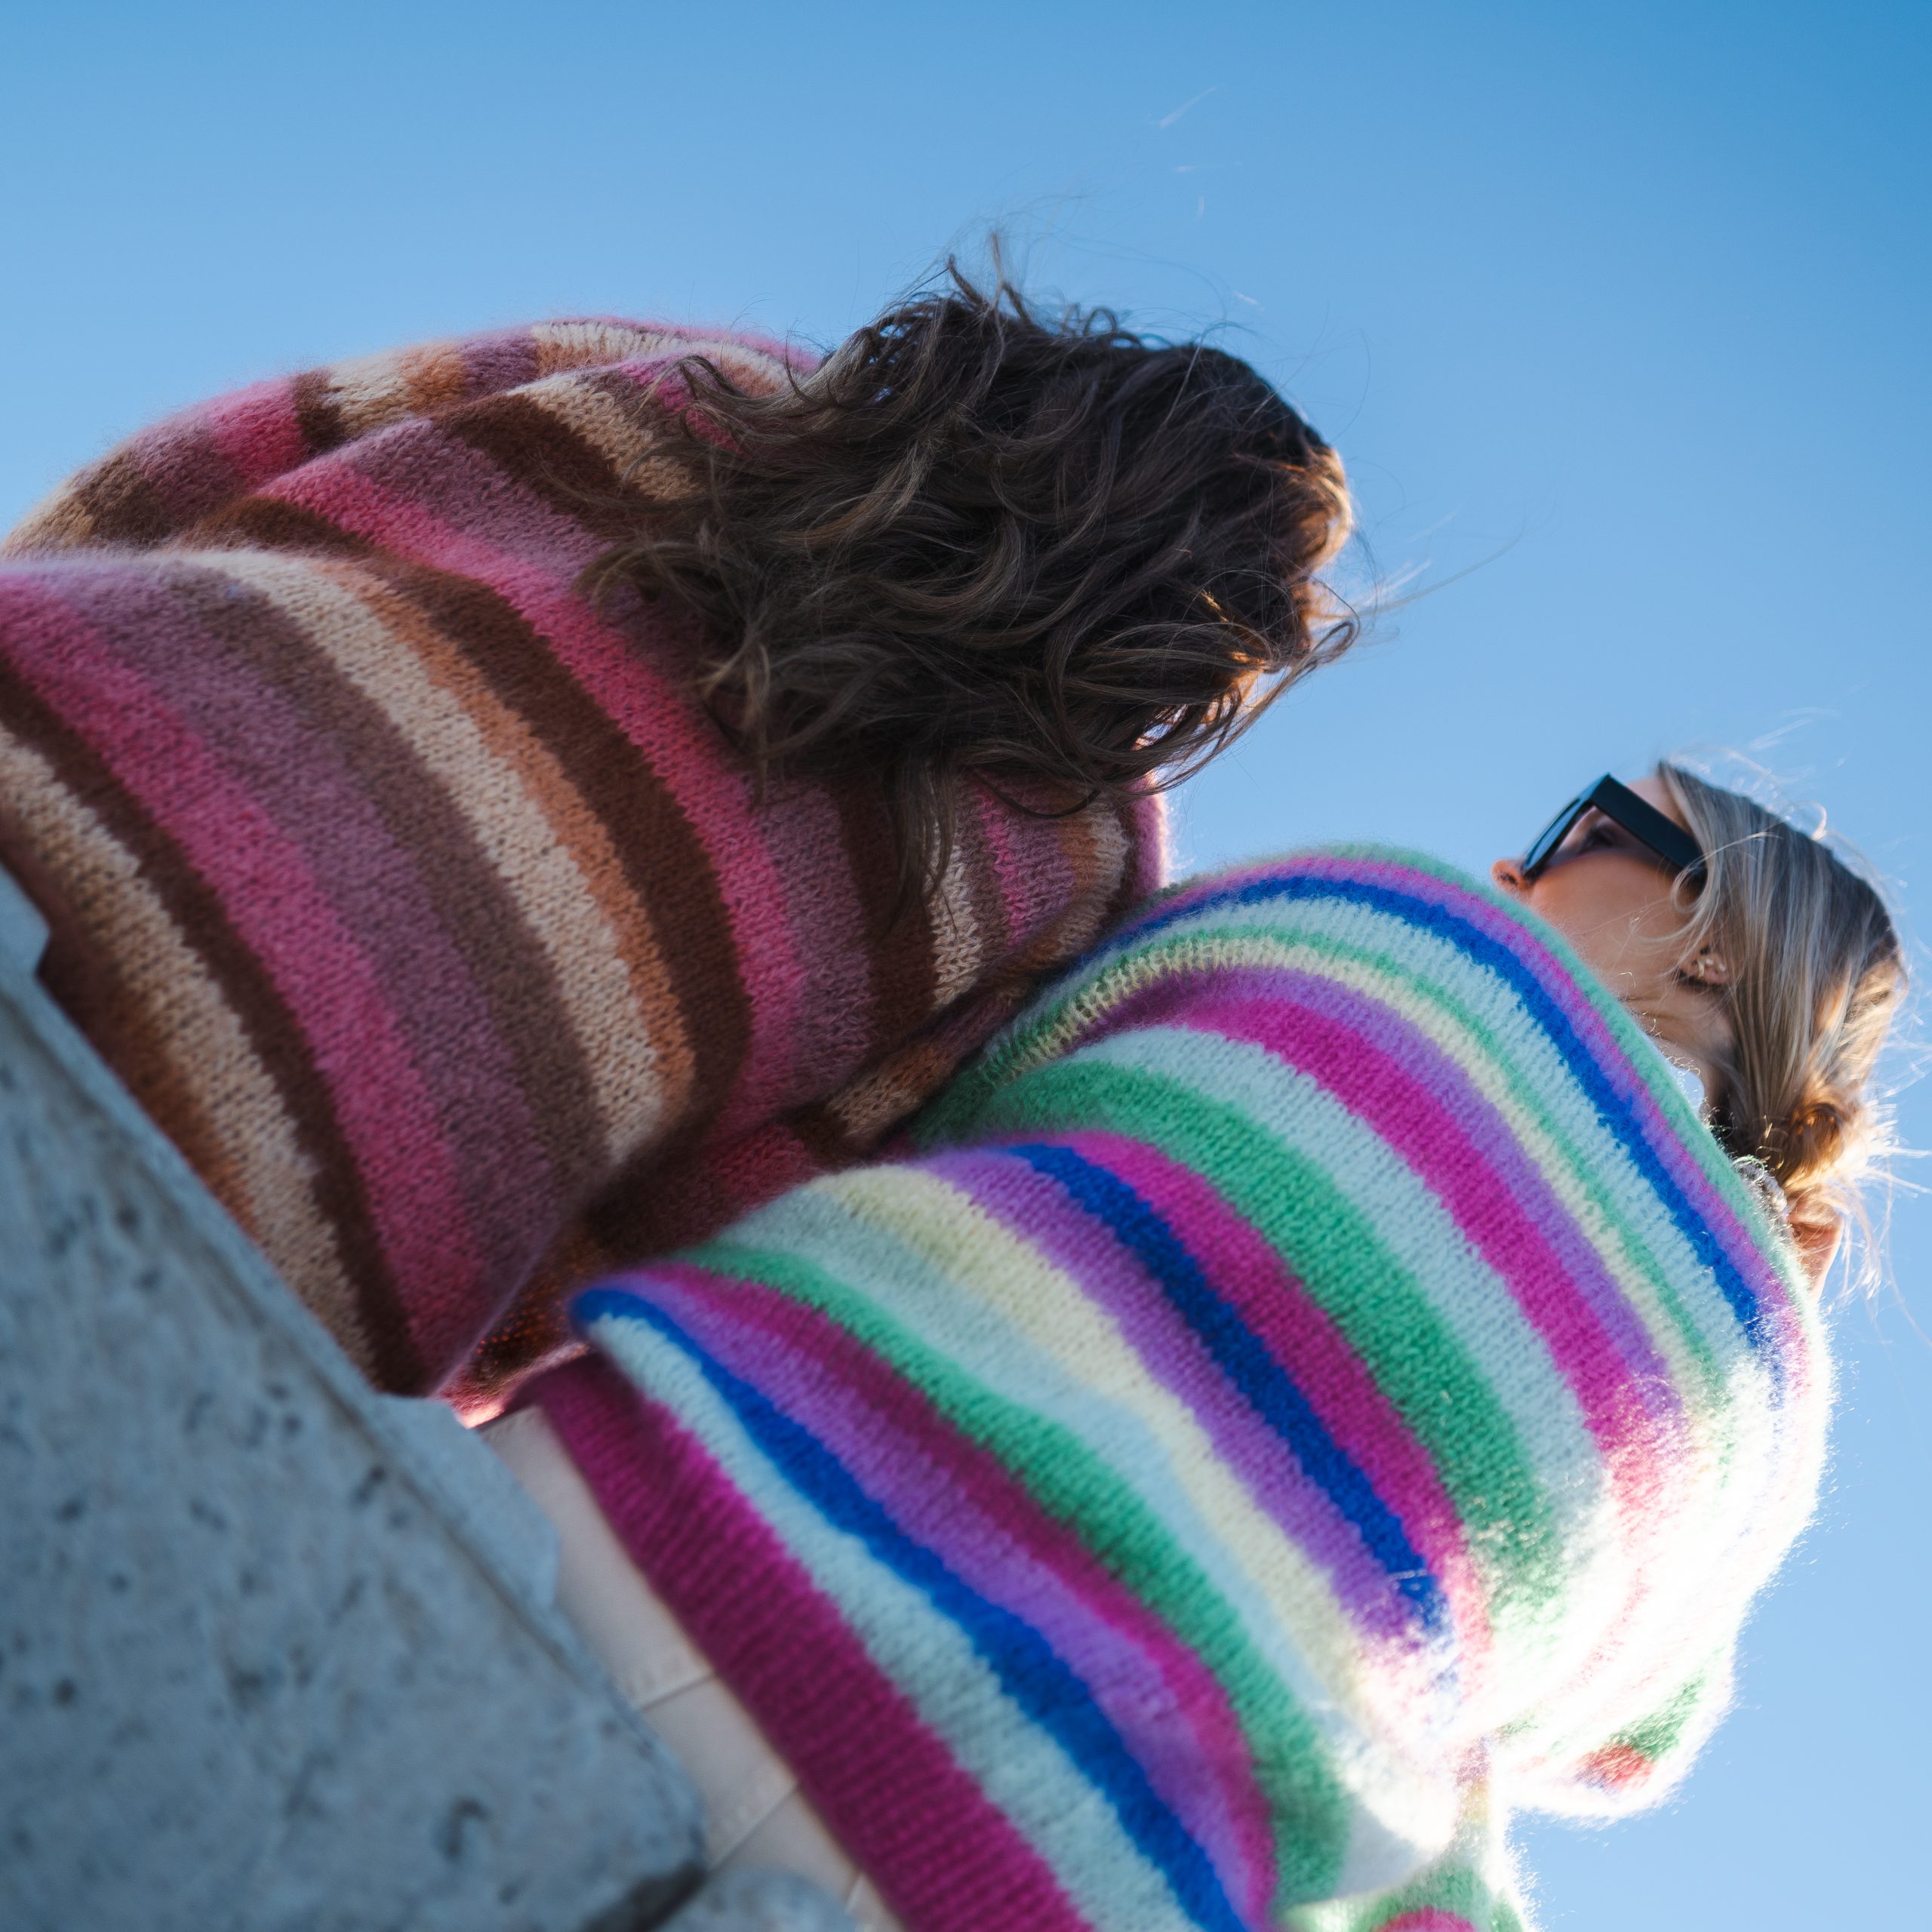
<point x="450" y="941"/>
<point x="1316" y="1389"/>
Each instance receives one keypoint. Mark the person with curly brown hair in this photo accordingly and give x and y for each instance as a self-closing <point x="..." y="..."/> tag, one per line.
<point x="506" y="805"/>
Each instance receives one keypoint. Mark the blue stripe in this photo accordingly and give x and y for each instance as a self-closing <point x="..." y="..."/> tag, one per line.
<point x="1584" y="1067"/>
<point x="1247" y="1363"/>
<point x="1050" y="1694"/>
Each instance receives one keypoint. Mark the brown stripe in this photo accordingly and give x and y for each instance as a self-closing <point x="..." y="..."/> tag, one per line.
<point x="665" y="861"/>
<point x="530" y="445"/>
<point x="646" y="1010"/>
<point x="123" y="503"/>
<point x="465" y="892"/>
<point x="898" y="934"/>
<point x="312" y="393"/>
<point x="85" y="982"/>
<point x="270" y="1025"/>
<point x="268" y="523"/>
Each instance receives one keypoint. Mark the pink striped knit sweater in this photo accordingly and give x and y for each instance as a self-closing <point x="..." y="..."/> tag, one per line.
<point x="445" y="936"/>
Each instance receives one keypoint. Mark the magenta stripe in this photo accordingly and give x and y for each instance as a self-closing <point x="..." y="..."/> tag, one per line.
<point x="679" y="743"/>
<point x="1425" y="1105"/>
<point x="1524" y="936"/>
<point x="955" y="1498"/>
<point x="257" y="431"/>
<point x="1037" y="1209"/>
<point x="1302" y="1339"/>
<point x="919" y="1826"/>
<point x="299" y="775"/>
<point x="1512" y="1215"/>
<point x="1379" y="1092"/>
<point x="281" y="914"/>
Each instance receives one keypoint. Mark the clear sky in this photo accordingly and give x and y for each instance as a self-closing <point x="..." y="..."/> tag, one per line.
<point x="1618" y="313"/>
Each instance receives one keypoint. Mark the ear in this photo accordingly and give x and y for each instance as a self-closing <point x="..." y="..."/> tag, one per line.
<point x="1708" y="968"/>
<point x="1818" y="1244"/>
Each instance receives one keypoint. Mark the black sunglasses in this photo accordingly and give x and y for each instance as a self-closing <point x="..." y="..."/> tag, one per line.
<point x="1642" y="819"/>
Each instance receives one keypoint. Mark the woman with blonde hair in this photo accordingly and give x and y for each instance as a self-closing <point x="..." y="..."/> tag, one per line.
<point x="1772" y="969"/>
<point x="1330" y="1377"/>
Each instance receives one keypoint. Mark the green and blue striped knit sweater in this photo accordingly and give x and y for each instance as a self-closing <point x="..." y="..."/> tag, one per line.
<point x="1312" y="1390"/>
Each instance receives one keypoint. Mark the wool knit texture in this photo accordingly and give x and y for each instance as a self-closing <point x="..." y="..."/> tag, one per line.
<point x="409" y="891"/>
<point x="1312" y="1390"/>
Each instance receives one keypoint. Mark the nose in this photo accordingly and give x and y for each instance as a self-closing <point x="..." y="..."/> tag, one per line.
<point x="1508" y="873"/>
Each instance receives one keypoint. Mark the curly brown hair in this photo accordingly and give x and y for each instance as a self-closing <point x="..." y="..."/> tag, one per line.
<point x="979" y="542"/>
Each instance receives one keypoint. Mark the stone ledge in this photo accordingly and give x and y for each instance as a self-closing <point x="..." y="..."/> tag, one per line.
<point x="274" y="1652"/>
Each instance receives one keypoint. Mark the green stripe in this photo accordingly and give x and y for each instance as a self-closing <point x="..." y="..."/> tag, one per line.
<point x="1334" y="1250"/>
<point x="1289" y="1762"/>
<point x="972" y="1098"/>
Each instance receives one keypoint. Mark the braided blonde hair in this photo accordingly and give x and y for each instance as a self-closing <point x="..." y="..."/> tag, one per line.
<point x="1815" y="975"/>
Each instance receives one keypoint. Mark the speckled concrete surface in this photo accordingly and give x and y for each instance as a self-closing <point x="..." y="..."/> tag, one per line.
<point x="275" y="1652"/>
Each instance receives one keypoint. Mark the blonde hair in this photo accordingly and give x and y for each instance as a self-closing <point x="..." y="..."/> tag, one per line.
<point x="1814" y="975"/>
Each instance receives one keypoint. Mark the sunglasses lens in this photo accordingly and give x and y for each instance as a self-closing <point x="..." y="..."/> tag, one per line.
<point x="1544" y="846"/>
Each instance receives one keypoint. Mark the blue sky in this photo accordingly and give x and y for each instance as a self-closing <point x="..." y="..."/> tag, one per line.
<point x="1618" y="314"/>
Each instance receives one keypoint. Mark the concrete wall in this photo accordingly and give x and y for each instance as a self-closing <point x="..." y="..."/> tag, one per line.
<point x="274" y="1652"/>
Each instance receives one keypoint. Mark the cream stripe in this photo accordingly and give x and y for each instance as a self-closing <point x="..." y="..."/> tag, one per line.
<point x="537" y="865"/>
<point x="210" y="1053"/>
<point x="1635" y="1281"/>
<point x="955" y="930"/>
<point x="369" y="392"/>
<point x="1006" y="1274"/>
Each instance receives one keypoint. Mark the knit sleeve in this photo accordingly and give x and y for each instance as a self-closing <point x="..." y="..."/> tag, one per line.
<point x="186" y="470"/>
<point x="1311" y="1392"/>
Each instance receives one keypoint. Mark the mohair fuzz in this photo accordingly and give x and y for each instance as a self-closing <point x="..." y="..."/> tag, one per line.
<point x="412" y="893"/>
<point x="1313" y="1390"/>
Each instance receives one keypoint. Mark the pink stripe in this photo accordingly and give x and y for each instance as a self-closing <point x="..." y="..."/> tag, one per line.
<point x="280" y="913"/>
<point x="1087" y="1247"/>
<point x="1429" y="1918"/>
<point x="956" y="1498"/>
<point x="1382" y="1094"/>
<point x="257" y="430"/>
<point x="1305" y="1341"/>
<point x="918" y="1825"/>
<point x="681" y="745"/>
<point x="1523" y="937"/>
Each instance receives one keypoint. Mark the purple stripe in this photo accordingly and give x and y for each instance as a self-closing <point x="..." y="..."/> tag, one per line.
<point x="1038" y="1210"/>
<point x="300" y="778"/>
<point x="958" y="1500"/>
<point x="1506" y="1206"/>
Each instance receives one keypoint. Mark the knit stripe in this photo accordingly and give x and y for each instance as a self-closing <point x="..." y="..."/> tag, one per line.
<point x="1065" y="1472"/>
<point x="1122" y="1402"/>
<point x="945" y="1674"/>
<point x="1489" y="1043"/>
<point x="703" y="791"/>
<point x="1399" y="1324"/>
<point x="1234" y="1350"/>
<point x="1436" y="1145"/>
<point x="687" y="1522"/>
<point x="1565" y="1020"/>
<point x="233" y="1093"/>
<point x="535" y="833"/>
<point x="998" y="1541"/>
<point x="1296" y="1338"/>
<point x="228" y="838"/>
<point x="1029" y="1669"/>
<point x="215" y="661"/>
<point x="352" y="795"/>
<point x="326" y="1165"/>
